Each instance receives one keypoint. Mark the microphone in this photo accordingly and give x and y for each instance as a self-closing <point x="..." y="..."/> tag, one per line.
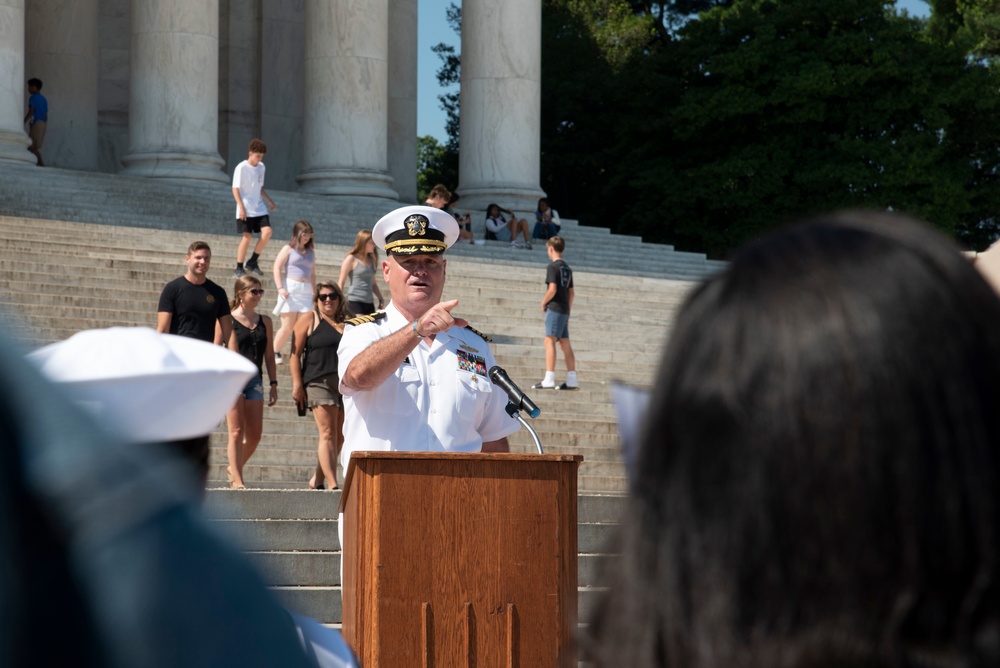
<point x="514" y="393"/>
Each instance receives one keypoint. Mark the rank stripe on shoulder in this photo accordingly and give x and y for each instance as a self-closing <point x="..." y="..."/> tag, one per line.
<point x="362" y="319"/>
<point x="479" y="334"/>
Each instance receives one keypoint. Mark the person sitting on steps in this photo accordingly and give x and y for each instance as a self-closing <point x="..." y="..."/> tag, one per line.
<point x="501" y="229"/>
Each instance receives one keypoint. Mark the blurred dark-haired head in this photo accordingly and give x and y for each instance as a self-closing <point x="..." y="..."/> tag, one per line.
<point x="818" y="483"/>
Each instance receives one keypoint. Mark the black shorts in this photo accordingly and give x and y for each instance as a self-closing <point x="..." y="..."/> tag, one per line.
<point x="252" y="224"/>
<point x="361" y="308"/>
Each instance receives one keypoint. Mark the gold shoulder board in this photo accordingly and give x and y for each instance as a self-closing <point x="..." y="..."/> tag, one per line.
<point x="362" y="319"/>
<point x="479" y="334"/>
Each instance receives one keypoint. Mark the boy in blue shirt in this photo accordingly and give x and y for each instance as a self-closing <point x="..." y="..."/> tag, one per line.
<point x="36" y="118"/>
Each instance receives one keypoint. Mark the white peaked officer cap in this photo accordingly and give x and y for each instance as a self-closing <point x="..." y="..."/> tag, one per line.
<point x="414" y="230"/>
<point x="146" y="386"/>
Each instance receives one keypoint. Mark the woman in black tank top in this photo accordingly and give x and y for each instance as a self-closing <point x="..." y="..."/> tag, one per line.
<point x="315" y="383"/>
<point x="252" y="337"/>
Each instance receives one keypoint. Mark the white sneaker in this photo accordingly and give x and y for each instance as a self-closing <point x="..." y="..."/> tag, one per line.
<point x="277" y="358"/>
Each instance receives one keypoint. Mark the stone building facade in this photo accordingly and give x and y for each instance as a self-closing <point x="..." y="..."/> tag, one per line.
<point x="176" y="88"/>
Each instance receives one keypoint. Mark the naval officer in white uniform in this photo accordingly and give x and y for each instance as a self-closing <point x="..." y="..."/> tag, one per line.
<point x="414" y="377"/>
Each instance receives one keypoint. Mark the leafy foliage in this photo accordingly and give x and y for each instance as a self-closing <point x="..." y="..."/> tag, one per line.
<point x="436" y="163"/>
<point x="758" y="111"/>
<point x="705" y="123"/>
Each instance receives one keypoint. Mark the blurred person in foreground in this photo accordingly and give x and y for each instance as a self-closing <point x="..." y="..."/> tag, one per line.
<point x="104" y="555"/>
<point x="819" y="480"/>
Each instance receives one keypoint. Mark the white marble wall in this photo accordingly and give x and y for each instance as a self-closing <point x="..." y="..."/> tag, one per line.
<point x="282" y="85"/>
<point x="403" y="98"/>
<point x="61" y="50"/>
<point x="174" y="90"/>
<point x="114" y="37"/>
<point x="499" y="136"/>
<point x="239" y="80"/>
<point x="13" y="140"/>
<point x="346" y="90"/>
<point x="182" y="86"/>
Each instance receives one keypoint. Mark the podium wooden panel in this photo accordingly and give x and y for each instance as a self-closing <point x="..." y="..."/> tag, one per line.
<point x="460" y="559"/>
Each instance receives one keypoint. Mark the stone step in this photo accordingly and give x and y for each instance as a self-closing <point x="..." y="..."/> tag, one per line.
<point x="279" y="444"/>
<point x="277" y="420"/>
<point x="511" y="321"/>
<point x="300" y="504"/>
<point x="322" y="569"/>
<point x="261" y="472"/>
<point x="153" y="203"/>
<point x="626" y="253"/>
<point x="324" y="603"/>
<point x="512" y="339"/>
<point x="149" y="272"/>
<point x="292" y="538"/>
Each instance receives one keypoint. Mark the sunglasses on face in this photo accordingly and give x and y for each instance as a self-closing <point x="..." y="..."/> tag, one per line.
<point x="256" y="292"/>
<point x="328" y="295"/>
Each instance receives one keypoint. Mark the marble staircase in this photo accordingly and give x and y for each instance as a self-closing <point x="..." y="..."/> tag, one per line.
<point x="194" y="206"/>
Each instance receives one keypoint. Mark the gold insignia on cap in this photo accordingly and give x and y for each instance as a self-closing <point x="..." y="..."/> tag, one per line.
<point x="406" y="247"/>
<point x="416" y="224"/>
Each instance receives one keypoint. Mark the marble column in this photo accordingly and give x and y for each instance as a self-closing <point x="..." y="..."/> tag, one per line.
<point x="13" y="90"/>
<point x="61" y="50"/>
<point x="346" y="89"/>
<point x="174" y="91"/>
<point x="403" y="98"/>
<point x="499" y="134"/>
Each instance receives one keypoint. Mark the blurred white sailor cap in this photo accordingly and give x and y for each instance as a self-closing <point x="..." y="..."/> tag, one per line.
<point x="146" y="386"/>
<point x="415" y="229"/>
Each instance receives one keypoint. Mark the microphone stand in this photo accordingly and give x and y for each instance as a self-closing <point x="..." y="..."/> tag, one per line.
<point x="513" y="412"/>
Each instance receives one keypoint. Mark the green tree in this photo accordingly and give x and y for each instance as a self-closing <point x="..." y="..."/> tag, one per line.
<point x="758" y="111"/>
<point x="450" y="74"/>
<point x="434" y="165"/>
<point x="437" y="163"/>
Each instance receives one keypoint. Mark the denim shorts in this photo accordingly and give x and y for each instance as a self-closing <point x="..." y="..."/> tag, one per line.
<point x="556" y="324"/>
<point x="254" y="390"/>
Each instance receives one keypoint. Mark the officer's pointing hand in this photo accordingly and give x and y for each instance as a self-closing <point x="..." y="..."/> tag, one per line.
<point x="439" y="319"/>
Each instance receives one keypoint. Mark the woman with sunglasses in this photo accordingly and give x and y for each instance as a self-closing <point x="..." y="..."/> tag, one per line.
<point x="315" y="382"/>
<point x="251" y="337"/>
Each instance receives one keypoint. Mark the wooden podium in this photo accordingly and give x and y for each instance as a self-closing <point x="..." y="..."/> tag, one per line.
<point x="460" y="559"/>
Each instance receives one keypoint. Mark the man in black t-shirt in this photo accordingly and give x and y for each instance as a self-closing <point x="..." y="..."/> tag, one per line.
<point x="191" y="305"/>
<point x="556" y="305"/>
